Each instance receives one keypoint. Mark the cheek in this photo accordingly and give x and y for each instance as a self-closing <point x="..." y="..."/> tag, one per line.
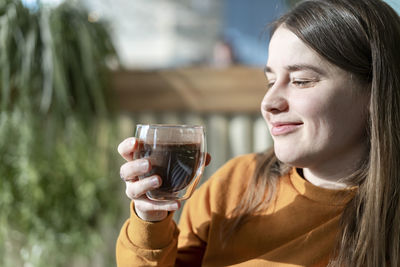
<point x="333" y="117"/>
<point x="310" y="108"/>
<point x="319" y="115"/>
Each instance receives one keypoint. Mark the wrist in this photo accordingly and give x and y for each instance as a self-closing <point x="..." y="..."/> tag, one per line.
<point x="152" y="216"/>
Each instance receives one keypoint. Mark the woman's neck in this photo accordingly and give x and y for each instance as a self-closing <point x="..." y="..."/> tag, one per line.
<point x="336" y="172"/>
<point x="325" y="181"/>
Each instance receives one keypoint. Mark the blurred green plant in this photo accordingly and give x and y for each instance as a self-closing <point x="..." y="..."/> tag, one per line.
<point x="56" y="135"/>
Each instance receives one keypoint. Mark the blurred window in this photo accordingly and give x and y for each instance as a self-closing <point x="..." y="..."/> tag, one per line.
<point x="174" y="33"/>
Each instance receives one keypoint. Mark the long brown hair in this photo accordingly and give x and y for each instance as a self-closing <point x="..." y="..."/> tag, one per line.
<point x="363" y="38"/>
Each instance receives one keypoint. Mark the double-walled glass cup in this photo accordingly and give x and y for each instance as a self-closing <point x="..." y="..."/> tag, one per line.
<point x="177" y="153"/>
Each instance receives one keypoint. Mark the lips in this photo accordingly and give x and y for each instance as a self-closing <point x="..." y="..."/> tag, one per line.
<point x="283" y="128"/>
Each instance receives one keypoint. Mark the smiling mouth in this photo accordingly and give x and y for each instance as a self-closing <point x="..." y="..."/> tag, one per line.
<point x="284" y="128"/>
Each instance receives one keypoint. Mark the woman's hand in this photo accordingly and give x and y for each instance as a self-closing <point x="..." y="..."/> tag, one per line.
<point x="136" y="189"/>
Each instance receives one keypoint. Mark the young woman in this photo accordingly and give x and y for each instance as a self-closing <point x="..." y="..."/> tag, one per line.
<point x="328" y="194"/>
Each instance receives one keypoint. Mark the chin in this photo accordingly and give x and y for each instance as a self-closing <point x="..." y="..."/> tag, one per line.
<point x="285" y="157"/>
<point x="290" y="157"/>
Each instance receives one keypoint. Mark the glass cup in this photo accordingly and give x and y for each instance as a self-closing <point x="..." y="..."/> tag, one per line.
<point x="177" y="153"/>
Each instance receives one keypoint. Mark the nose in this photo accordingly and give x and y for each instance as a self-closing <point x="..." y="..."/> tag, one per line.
<point x="274" y="101"/>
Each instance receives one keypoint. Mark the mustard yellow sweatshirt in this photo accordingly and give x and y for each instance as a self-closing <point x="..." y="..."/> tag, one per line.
<point x="298" y="229"/>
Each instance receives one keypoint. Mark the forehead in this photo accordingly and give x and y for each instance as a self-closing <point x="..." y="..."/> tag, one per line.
<point x="285" y="48"/>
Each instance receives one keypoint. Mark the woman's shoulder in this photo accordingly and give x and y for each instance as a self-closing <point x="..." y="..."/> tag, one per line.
<point x="237" y="166"/>
<point x="229" y="182"/>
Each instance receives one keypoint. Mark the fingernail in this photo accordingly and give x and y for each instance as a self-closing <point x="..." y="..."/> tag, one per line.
<point x="174" y="206"/>
<point x="144" y="165"/>
<point x="154" y="181"/>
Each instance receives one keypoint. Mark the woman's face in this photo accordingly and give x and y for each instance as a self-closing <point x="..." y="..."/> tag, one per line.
<point x="315" y="111"/>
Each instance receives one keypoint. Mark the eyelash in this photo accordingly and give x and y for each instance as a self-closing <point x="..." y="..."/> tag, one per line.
<point x="270" y="84"/>
<point x="301" y="83"/>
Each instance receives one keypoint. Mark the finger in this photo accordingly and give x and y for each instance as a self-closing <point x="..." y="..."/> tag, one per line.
<point x="132" y="169"/>
<point x="146" y="205"/>
<point x="208" y="159"/>
<point x="126" y="148"/>
<point x="135" y="190"/>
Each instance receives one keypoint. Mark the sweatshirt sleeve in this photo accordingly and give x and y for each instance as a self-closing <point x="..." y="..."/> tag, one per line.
<point x="142" y="243"/>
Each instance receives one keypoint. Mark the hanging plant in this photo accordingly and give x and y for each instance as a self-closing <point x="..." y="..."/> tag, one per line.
<point x="56" y="135"/>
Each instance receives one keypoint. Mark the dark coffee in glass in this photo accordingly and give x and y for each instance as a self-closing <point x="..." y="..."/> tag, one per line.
<point x="176" y="153"/>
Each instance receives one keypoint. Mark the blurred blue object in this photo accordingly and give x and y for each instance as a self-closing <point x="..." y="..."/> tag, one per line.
<point x="395" y="4"/>
<point x="34" y="4"/>
<point x="245" y="28"/>
<point x="31" y="4"/>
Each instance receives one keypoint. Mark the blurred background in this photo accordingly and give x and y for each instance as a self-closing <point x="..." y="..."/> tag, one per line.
<point x="75" y="79"/>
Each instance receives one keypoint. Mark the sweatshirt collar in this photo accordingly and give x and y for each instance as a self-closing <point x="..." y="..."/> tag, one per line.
<point x="335" y="197"/>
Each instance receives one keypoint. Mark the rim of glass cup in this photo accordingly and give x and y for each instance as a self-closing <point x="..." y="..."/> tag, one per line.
<point x="169" y="125"/>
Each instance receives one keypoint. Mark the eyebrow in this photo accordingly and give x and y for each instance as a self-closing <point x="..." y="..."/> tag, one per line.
<point x="297" y="67"/>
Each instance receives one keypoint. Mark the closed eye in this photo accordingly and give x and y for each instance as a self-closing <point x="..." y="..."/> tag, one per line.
<point x="304" y="83"/>
<point x="270" y="84"/>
